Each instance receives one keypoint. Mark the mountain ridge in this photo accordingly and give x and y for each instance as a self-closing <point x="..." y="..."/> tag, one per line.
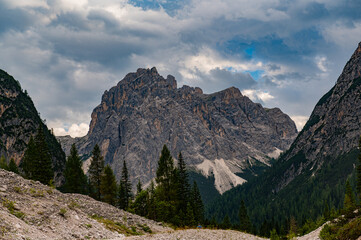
<point x="144" y="111"/>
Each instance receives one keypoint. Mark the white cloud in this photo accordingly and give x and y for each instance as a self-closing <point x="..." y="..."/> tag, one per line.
<point x="256" y="95"/>
<point x="300" y="121"/>
<point x="321" y="63"/>
<point x="75" y="130"/>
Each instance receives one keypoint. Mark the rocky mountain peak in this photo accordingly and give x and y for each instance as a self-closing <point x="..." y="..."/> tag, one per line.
<point x="333" y="128"/>
<point x="223" y="133"/>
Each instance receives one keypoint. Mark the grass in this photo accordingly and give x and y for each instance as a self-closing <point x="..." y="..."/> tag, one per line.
<point x="62" y="212"/>
<point x="116" y="226"/>
<point x="10" y="205"/>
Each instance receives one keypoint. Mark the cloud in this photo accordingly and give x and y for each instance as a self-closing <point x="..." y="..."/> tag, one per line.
<point x="75" y="130"/>
<point x="300" y="121"/>
<point x="280" y="53"/>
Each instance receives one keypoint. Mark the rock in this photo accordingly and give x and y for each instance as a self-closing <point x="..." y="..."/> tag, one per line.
<point x="334" y="125"/>
<point x="3" y="188"/>
<point x="19" y="120"/>
<point x="37" y="216"/>
<point x="145" y="111"/>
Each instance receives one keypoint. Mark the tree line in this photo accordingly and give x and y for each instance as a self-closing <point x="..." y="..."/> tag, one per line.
<point x="170" y="198"/>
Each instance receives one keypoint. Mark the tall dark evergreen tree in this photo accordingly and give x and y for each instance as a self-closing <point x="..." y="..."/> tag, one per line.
<point x="165" y="174"/>
<point x="13" y="167"/>
<point x="245" y="223"/>
<point x="152" y="213"/>
<point x="349" y="201"/>
<point x="42" y="170"/>
<point x="75" y="179"/>
<point x="95" y="171"/>
<point x="139" y="187"/>
<point x="125" y="188"/>
<point x="108" y="186"/>
<point x="359" y="172"/>
<point x="29" y="158"/>
<point x="183" y="184"/>
<point x="198" y="207"/>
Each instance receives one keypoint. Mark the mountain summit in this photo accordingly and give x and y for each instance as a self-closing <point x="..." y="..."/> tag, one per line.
<point x="222" y="135"/>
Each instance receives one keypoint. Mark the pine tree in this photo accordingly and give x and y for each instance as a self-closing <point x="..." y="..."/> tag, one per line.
<point x="165" y="174"/>
<point x="326" y="211"/>
<point x="95" y="171"/>
<point x="359" y="172"/>
<point x="3" y="163"/>
<point x="29" y="158"/>
<point x="13" y="167"/>
<point x="198" y="207"/>
<point x="108" y="186"/>
<point x="245" y="223"/>
<point x="139" y="187"/>
<point x="190" y="221"/>
<point x="226" y="224"/>
<point x="42" y="170"/>
<point x="183" y="184"/>
<point x="75" y="179"/>
<point x="349" y="201"/>
<point x="140" y="204"/>
<point x="125" y="188"/>
<point x="152" y="213"/>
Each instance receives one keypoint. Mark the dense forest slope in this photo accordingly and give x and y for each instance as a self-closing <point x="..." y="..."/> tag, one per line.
<point x="222" y="134"/>
<point x="312" y="173"/>
<point x="19" y="120"/>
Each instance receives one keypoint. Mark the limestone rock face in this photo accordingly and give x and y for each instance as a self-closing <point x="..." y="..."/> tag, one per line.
<point x="145" y="111"/>
<point x="334" y="125"/>
<point x="19" y="119"/>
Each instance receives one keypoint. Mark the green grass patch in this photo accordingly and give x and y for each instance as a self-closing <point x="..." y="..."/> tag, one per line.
<point x="116" y="226"/>
<point x="10" y="205"/>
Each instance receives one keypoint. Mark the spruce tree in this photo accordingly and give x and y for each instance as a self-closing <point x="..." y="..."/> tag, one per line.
<point x="139" y="187"/>
<point x="75" y="179"/>
<point x="13" y="167"/>
<point x="3" y="163"/>
<point x="165" y="174"/>
<point x="359" y="172"/>
<point x="226" y="223"/>
<point x="29" y="158"/>
<point x="152" y="212"/>
<point x="190" y="220"/>
<point x="349" y="201"/>
<point x="245" y="223"/>
<point x="95" y="171"/>
<point x="42" y="170"/>
<point x="108" y="186"/>
<point x="198" y="207"/>
<point x="125" y="188"/>
<point x="183" y="184"/>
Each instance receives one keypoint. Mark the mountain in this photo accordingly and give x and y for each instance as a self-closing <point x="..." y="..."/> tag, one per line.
<point x="222" y="135"/>
<point x="313" y="172"/>
<point x="19" y="120"/>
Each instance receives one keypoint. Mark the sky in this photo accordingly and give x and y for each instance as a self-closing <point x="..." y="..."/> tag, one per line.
<point x="280" y="53"/>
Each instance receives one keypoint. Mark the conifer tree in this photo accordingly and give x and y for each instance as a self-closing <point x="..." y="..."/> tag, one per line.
<point x="151" y="202"/>
<point x="125" y="188"/>
<point x="13" y="167"/>
<point x="198" y="207"/>
<point x="29" y="158"/>
<point x="165" y="174"/>
<point x="326" y="211"/>
<point x="95" y="171"/>
<point x="245" y="223"/>
<point x="139" y="187"/>
<point x="75" y="179"/>
<point x="42" y="170"/>
<point x="359" y="172"/>
<point x="349" y="201"/>
<point x="190" y="221"/>
<point x="3" y="163"/>
<point x="140" y="204"/>
<point x="226" y="223"/>
<point x="183" y="184"/>
<point x="108" y="186"/>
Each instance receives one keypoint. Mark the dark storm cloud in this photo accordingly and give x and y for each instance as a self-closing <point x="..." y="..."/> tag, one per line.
<point x="289" y="51"/>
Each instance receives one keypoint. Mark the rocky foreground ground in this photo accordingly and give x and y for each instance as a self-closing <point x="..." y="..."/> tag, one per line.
<point x="30" y="210"/>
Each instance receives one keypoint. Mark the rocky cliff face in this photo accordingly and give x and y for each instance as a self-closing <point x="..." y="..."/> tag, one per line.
<point x="221" y="134"/>
<point x="334" y="127"/>
<point x="18" y="121"/>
